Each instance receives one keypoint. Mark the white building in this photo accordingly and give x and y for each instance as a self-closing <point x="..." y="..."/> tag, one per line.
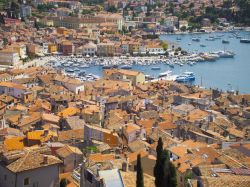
<point x="45" y="48"/>
<point x="12" y="89"/>
<point x="154" y="50"/>
<point x="9" y="58"/>
<point x="90" y="49"/>
<point x="34" y="169"/>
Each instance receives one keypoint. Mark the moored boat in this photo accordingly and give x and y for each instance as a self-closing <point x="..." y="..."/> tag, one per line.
<point x="244" y="40"/>
<point x="225" y="41"/>
<point x="196" y="39"/>
<point x="156" y="68"/>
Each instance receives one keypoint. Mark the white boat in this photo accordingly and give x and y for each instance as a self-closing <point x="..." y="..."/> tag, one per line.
<point x="165" y="74"/>
<point x="126" y="67"/>
<point x="244" y="40"/>
<point x="226" y="54"/>
<point x="196" y="39"/>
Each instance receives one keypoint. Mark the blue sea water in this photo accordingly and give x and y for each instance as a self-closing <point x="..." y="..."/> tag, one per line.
<point x="228" y="73"/>
<point x="224" y="74"/>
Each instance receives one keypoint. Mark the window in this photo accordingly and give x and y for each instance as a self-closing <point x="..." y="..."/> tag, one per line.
<point x="26" y="181"/>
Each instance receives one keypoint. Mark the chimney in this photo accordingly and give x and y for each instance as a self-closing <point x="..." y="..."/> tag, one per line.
<point x="46" y="132"/>
<point x="45" y="159"/>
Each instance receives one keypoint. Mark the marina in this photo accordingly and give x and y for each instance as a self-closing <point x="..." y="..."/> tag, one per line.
<point x="211" y="62"/>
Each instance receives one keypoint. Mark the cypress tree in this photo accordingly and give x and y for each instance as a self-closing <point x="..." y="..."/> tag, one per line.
<point x="168" y="172"/>
<point x="158" y="165"/>
<point x="172" y="175"/>
<point x="139" y="173"/>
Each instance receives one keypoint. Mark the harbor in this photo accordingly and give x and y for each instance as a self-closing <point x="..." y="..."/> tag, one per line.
<point x="210" y="63"/>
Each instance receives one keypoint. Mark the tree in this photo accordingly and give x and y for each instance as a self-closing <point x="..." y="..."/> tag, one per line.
<point x="5" y="41"/>
<point x="183" y="29"/>
<point x="63" y="182"/>
<point x="112" y="9"/>
<point x="168" y="172"/>
<point x="164" y="45"/>
<point x="158" y="164"/>
<point x="139" y="173"/>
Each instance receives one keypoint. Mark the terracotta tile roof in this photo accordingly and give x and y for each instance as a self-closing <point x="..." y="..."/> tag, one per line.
<point x="67" y="151"/>
<point x="129" y="128"/>
<point x="32" y="160"/>
<point x="147" y="125"/>
<point x="70" y="134"/>
<point x="10" y="131"/>
<point x="121" y="71"/>
<point x="133" y="156"/>
<point x="12" y="85"/>
<point x="230" y="162"/>
<point x="31" y="119"/>
<point x="167" y="125"/>
<point x="129" y="179"/>
<point x="90" y="109"/>
<point x="179" y="151"/>
<point x="98" y="157"/>
<point x="193" y="144"/>
<point x="13" y="143"/>
<point x="68" y="112"/>
<point x="50" y="117"/>
<point x="197" y="114"/>
<point x="229" y="181"/>
<point x="235" y="132"/>
<point x="41" y="135"/>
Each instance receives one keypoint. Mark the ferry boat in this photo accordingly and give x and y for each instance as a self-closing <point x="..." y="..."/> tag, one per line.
<point x="186" y="77"/>
<point x="156" y="68"/>
<point x="165" y="74"/>
<point x="244" y="40"/>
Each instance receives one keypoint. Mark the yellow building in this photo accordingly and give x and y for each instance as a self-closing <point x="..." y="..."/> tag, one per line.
<point x="105" y="49"/>
<point x="134" y="47"/>
<point x="52" y="48"/>
<point x="62" y="30"/>
<point x="135" y="77"/>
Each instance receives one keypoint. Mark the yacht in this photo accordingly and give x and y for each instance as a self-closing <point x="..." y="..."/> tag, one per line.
<point x="165" y="74"/>
<point x="69" y="70"/>
<point x="210" y="39"/>
<point x="186" y="77"/>
<point x="126" y="67"/>
<point x="226" y="54"/>
<point x="84" y="66"/>
<point x="196" y="39"/>
<point x="244" y="40"/>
